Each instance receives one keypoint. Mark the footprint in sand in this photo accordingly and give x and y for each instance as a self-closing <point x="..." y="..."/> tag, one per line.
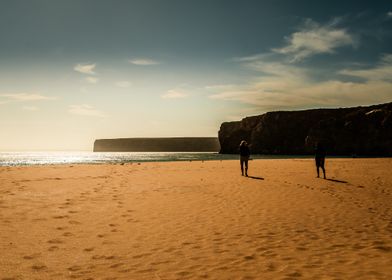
<point x="295" y="274"/>
<point x="113" y="226"/>
<point x="55" y="241"/>
<point x="98" y="257"/>
<point x="53" y="248"/>
<point x="271" y="267"/>
<point x="249" y="258"/>
<point x="38" y="267"/>
<point x="39" y="219"/>
<point x="147" y="270"/>
<point x="61" y="228"/>
<point x="141" y="256"/>
<point x="31" y="257"/>
<point x="60" y="217"/>
<point x="125" y="270"/>
<point x="90" y="249"/>
<point x="74" y="268"/>
<point x="301" y="248"/>
<point x="380" y="245"/>
<point x="116" y="265"/>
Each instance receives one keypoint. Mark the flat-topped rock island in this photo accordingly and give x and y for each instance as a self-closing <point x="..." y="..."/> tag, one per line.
<point x="163" y="144"/>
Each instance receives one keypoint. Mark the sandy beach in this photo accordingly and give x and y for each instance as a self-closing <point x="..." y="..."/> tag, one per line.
<point x="197" y="220"/>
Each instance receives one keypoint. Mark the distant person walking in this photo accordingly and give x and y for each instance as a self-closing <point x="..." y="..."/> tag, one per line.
<point x="244" y="157"/>
<point x="320" y="159"/>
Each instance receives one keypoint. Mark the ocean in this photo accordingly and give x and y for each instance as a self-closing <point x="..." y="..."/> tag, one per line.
<point x="43" y="158"/>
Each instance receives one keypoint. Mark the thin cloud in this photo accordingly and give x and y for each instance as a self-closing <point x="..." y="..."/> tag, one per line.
<point x="24" y="97"/>
<point x="84" y="110"/>
<point x="315" y="39"/>
<point x="219" y="87"/>
<point x="389" y="14"/>
<point x="285" y="86"/>
<point x="381" y="72"/>
<point x="174" y="94"/>
<point x="144" y="61"/>
<point x="251" y="58"/>
<point x="85" y="68"/>
<point x="122" y="84"/>
<point x="92" y="80"/>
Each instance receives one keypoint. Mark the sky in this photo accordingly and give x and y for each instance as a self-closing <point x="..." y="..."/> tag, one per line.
<point x="72" y="71"/>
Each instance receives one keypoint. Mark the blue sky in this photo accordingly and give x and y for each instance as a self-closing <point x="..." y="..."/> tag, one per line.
<point x="73" y="71"/>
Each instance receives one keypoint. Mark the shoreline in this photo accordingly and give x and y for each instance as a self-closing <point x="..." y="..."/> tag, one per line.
<point x="114" y="158"/>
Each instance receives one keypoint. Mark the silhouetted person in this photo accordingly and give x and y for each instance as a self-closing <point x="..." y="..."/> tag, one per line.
<point x="244" y="157"/>
<point x="320" y="158"/>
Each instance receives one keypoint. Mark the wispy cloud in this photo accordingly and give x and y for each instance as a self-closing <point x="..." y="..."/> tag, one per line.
<point x="174" y="94"/>
<point x="283" y="82"/>
<point x="122" y="84"/>
<point x="24" y="97"/>
<point x="219" y="87"/>
<point x="381" y="72"/>
<point x="389" y="14"/>
<point x="286" y="86"/>
<point x="85" y="110"/>
<point x="144" y="61"/>
<point x="313" y="39"/>
<point x="92" y="80"/>
<point x="85" y="68"/>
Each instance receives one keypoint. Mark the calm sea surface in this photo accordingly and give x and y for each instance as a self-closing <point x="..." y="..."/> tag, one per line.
<point x="40" y="158"/>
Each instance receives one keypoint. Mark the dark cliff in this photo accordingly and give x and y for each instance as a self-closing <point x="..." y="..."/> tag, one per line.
<point x="344" y="131"/>
<point x="176" y="144"/>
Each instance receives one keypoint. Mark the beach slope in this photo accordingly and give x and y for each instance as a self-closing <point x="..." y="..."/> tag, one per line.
<point x="197" y="220"/>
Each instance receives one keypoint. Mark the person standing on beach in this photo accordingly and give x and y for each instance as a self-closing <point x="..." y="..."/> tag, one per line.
<point x="244" y="157"/>
<point x="320" y="159"/>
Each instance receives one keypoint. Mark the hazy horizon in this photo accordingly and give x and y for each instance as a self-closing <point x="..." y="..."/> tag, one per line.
<point x="75" y="71"/>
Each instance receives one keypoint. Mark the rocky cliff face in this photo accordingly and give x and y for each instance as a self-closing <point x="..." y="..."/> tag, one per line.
<point x="176" y="144"/>
<point x="344" y="131"/>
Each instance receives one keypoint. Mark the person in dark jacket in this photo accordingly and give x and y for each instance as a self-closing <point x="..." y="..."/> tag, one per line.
<point x="244" y="157"/>
<point x="320" y="158"/>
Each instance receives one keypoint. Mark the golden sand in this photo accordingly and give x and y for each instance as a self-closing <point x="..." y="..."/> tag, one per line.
<point x="197" y="220"/>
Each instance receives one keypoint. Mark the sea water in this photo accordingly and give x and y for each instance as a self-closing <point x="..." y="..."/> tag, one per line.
<point x="42" y="158"/>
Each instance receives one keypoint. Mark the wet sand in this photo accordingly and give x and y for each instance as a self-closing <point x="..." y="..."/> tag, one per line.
<point x="197" y="220"/>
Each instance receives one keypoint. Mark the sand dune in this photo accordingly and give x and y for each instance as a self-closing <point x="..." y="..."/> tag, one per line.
<point x="197" y="220"/>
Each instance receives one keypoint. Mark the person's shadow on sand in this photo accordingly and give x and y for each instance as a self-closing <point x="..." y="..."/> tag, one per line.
<point x="337" y="181"/>
<point x="256" y="178"/>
